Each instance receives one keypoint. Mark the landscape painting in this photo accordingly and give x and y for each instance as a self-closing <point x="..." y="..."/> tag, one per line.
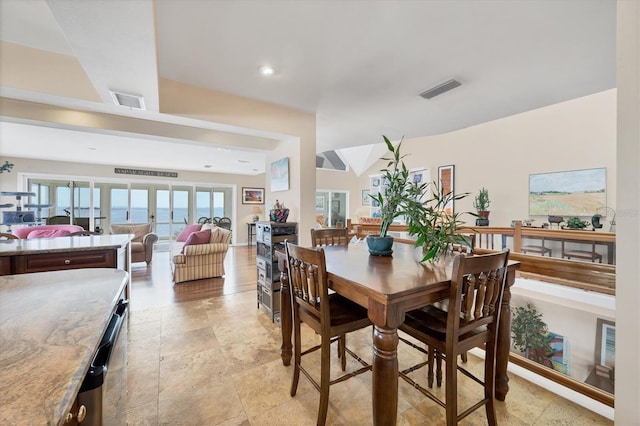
<point x="569" y="193"/>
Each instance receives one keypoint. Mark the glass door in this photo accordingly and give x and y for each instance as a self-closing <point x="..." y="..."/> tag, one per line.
<point x="173" y="211"/>
<point x="331" y="208"/>
<point x="118" y="203"/>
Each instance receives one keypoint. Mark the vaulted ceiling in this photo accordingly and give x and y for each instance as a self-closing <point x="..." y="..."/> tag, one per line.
<point x="359" y="66"/>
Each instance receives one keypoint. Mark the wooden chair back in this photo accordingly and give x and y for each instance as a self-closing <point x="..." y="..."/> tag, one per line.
<point x="59" y="220"/>
<point x="7" y="236"/>
<point x="308" y="281"/>
<point x="329" y="237"/>
<point x="476" y="291"/>
<point x="465" y="244"/>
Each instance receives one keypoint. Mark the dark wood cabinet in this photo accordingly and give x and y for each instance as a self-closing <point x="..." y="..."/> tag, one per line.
<point x="106" y="258"/>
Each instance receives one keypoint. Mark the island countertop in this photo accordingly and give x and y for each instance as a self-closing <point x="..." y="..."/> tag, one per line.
<point x="63" y="244"/>
<point x="50" y="326"/>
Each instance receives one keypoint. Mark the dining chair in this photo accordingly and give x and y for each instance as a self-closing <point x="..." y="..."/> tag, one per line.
<point x="472" y="320"/>
<point x="329" y="315"/>
<point x="7" y="236"/>
<point x="332" y="237"/>
<point x="329" y="237"/>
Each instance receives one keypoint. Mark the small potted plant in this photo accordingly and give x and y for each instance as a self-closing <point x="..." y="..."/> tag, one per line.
<point x="481" y="204"/>
<point x="576" y="223"/>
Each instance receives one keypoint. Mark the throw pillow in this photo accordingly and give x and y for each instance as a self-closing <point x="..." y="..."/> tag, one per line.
<point x="187" y="231"/>
<point x="195" y="238"/>
<point x="47" y="233"/>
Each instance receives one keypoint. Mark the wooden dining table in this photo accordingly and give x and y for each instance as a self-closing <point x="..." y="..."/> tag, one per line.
<point x="389" y="286"/>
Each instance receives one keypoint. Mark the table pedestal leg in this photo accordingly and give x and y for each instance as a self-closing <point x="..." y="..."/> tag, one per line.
<point x="385" y="375"/>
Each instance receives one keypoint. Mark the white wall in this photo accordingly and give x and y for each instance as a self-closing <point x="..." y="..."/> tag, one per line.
<point x="628" y="207"/>
<point x="500" y="155"/>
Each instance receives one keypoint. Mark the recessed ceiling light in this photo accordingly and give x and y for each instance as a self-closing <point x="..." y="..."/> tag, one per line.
<point x="224" y="149"/>
<point x="92" y="149"/>
<point x="267" y="70"/>
<point x="207" y="166"/>
<point x="242" y="161"/>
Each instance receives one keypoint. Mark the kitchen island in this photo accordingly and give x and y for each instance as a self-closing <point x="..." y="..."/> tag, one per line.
<point x="53" y="254"/>
<point x="50" y="326"/>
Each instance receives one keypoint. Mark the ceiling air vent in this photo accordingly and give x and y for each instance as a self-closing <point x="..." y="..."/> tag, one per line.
<point x="131" y="101"/>
<point x="440" y="89"/>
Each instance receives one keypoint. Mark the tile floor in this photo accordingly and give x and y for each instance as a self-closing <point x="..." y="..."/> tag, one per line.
<point x="216" y="361"/>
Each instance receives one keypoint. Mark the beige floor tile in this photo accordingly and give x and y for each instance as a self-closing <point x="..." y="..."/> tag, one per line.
<point x="144" y="415"/>
<point x="565" y="413"/>
<point x="145" y="330"/>
<point x="212" y="403"/>
<point x="142" y="385"/>
<point x="144" y="315"/>
<point x="266" y="386"/>
<point x="188" y="342"/>
<point x="186" y="373"/>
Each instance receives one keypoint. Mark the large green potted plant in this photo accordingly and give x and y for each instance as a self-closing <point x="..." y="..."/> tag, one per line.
<point x="392" y="199"/>
<point x="530" y="333"/>
<point x="425" y="215"/>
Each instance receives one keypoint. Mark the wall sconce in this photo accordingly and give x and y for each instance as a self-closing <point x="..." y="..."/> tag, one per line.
<point x="6" y="167"/>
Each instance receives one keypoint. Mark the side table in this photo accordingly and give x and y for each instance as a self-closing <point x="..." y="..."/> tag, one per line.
<point x="251" y="232"/>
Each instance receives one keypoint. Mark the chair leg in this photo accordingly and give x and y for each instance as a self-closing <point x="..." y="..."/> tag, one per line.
<point x="430" y="358"/>
<point x="296" y="354"/>
<point x="342" y="344"/>
<point x="325" y="376"/>
<point x="438" y="357"/>
<point x="451" y="391"/>
<point x="490" y="384"/>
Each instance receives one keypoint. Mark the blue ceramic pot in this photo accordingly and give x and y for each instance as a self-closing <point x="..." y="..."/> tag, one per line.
<point x="380" y="246"/>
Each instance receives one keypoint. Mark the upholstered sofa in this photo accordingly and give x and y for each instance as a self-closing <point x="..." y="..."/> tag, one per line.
<point x="46" y="231"/>
<point x="142" y="241"/>
<point x="201" y="259"/>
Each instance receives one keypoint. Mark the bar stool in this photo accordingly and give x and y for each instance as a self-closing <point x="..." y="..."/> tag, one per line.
<point x="591" y="255"/>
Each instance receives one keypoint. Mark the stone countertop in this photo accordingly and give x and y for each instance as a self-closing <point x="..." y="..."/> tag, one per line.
<point x="50" y="326"/>
<point x="62" y="244"/>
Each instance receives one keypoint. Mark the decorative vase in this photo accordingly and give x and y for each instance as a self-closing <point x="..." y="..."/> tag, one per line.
<point x="380" y="246"/>
<point x="279" y="215"/>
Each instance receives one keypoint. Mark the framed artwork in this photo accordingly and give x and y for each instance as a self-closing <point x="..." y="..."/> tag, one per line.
<point x="419" y="177"/>
<point x="366" y="200"/>
<point x="252" y="195"/>
<point x="605" y="343"/>
<point x="446" y="180"/>
<point x="568" y="193"/>
<point x="280" y="175"/>
<point x="375" y="182"/>
<point x="319" y="203"/>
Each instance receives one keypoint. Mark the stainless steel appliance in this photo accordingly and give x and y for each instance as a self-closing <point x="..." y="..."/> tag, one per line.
<point x="104" y="389"/>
